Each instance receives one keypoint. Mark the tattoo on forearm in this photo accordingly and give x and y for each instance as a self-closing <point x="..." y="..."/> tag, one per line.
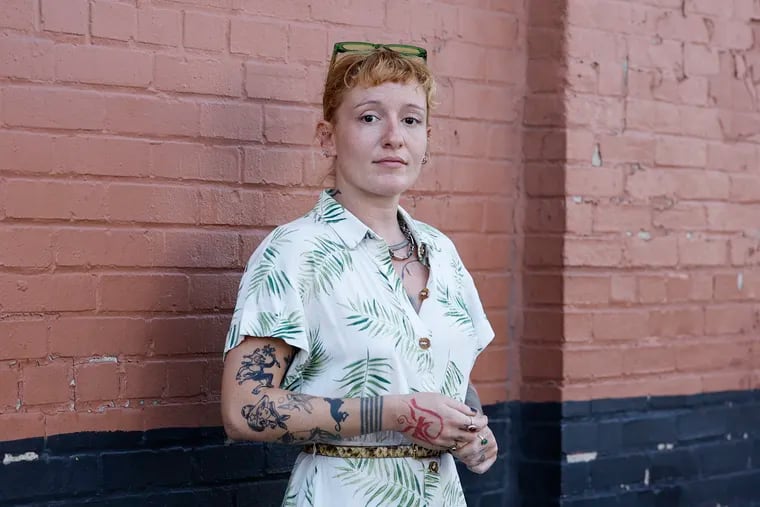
<point x="423" y="424"/>
<point x="252" y="368"/>
<point x="472" y="399"/>
<point x="314" y="435"/>
<point x="296" y="402"/>
<point x="264" y="415"/>
<point x="371" y="414"/>
<point x="335" y="412"/>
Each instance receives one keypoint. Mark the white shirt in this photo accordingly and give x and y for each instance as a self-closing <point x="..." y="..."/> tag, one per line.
<point x="325" y="284"/>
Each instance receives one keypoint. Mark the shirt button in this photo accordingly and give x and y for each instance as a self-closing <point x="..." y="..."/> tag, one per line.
<point x="424" y="343"/>
<point x="433" y="467"/>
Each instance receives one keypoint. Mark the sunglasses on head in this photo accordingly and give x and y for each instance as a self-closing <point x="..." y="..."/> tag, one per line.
<point x="366" y="47"/>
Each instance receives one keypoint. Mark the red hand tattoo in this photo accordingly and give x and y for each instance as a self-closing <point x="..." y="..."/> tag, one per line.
<point x="421" y="425"/>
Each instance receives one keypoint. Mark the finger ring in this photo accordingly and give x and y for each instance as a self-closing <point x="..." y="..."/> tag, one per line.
<point x="471" y="427"/>
<point x="483" y="440"/>
<point x="453" y="448"/>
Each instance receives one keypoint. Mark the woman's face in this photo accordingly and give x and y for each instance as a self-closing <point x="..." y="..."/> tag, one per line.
<point x="379" y="137"/>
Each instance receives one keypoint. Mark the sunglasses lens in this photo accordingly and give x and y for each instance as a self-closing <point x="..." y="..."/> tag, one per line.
<point x="404" y="49"/>
<point x="358" y="46"/>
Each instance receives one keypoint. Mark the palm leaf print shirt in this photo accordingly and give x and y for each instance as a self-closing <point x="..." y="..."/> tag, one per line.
<point x="325" y="284"/>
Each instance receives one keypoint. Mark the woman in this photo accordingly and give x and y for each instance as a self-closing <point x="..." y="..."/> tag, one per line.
<point x="356" y="327"/>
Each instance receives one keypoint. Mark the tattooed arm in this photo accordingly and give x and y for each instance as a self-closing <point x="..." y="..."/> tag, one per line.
<point x="254" y="407"/>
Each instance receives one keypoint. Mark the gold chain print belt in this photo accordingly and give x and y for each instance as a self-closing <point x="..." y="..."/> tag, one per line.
<point x="394" y="451"/>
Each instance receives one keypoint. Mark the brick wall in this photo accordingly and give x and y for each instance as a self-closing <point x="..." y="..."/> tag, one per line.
<point x="147" y="147"/>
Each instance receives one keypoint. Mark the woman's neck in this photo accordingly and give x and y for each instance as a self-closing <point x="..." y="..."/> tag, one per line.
<point x="380" y="215"/>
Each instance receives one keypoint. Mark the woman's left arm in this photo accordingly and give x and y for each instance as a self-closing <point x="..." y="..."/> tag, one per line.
<point x="480" y="454"/>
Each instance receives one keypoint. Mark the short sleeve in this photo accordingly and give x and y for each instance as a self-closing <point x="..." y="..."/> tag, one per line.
<point x="268" y="302"/>
<point x="483" y="330"/>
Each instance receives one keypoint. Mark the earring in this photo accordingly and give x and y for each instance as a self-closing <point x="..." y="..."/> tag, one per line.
<point x="325" y="153"/>
<point x="425" y="159"/>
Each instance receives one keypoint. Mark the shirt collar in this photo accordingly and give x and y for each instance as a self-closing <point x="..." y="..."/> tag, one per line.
<point x="351" y="230"/>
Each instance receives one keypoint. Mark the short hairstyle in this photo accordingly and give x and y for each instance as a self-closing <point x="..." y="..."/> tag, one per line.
<point x="373" y="68"/>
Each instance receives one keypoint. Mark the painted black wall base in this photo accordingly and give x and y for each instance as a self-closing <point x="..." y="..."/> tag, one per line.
<point x="680" y="451"/>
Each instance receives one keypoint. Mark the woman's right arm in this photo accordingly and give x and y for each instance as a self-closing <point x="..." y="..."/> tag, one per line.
<point x="255" y="408"/>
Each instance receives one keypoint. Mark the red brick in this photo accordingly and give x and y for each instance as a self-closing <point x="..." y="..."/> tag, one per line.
<point x="214" y="292"/>
<point x="103" y="419"/>
<point x="544" y="145"/>
<point x="102" y="247"/>
<point x="653" y="290"/>
<point x="734" y="319"/>
<point x="596" y="112"/>
<point x="200" y="249"/>
<point x="629" y="326"/>
<point x="700" y="60"/>
<point x="661" y="251"/>
<point x="545" y="215"/>
<point x="467" y="61"/>
<point x="103" y="65"/>
<point x="70" y="17"/>
<point x="113" y="20"/>
<point x="494" y="289"/>
<point x="185" y="378"/>
<point x="257" y="39"/>
<point x="232" y="120"/>
<point x="734" y="35"/>
<point x="188" y="161"/>
<point x="83" y="337"/>
<point x="689" y="287"/>
<point x="9" y="393"/>
<point x="307" y="44"/>
<point x="214" y="370"/>
<point x="680" y="152"/>
<point x="578" y="327"/>
<point x="656" y="117"/>
<point x="502" y="141"/>
<point x="456" y="213"/>
<point x="159" y="204"/>
<point x="674" y="26"/>
<point x="701" y="122"/>
<point x="704" y="357"/>
<point x="545" y="44"/>
<point x="23" y="339"/>
<point x="101" y="155"/>
<point x="235" y="207"/>
<point x="541" y="363"/>
<point x="54" y="199"/>
<point x="596" y="181"/>
<point x="151" y="116"/>
<point x="592" y="253"/>
<point x="488" y="28"/>
<point x="745" y="251"/>
<point x="698" y="251"/>
<point x="25" y="247"/>
<point x="649" y="360"/>
<point x="18" y="14"/>
<point x="416" y="17"/>
<point x="542" y="289"/>
<point x="205" y="31"/>
<point x="350" y="12"/>
<point x="22" y="152"/>
<point x="680" y="217"/>
<point x="42" y="293"/>
<point x="667" y="323"/>
<point x="145" y="292"/>
<point x="544" y="251"/>
<point x="579" y="216"/>
<point x="627" y="148"/>
<point x="745" y="9"/>
<point x="541" y="325"/>
<point x="491" y="366"/>
<point x="479" y="101"/>
<point x="592" y="363"/>
<point x="26" y="58"/>
<point x="159" y="26"/>
<point x="728" y="381"/>
<point x="198" y="75"/>
<point x="184" y="415"/>
<point x="278" y="167"/>
<point x="743" y="285"/>
<point x="464" y="138"/>
<point x="187" y="334"/>
<point x="34" y="106"/>
<point x="280" y="82"/>
<point x="623" y="288"/>
<point x="20" y="425"/>
<point x="584" y="290"/>
<point x="46" y="383"/>
<point x="96" y="381"/>
<point x="733" y="216"/>
<point x="144" y="379"/>
<point x="745" y="188"/>
<point x="621" y="218"/>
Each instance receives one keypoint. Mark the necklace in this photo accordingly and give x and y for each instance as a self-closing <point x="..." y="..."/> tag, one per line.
<point x="408" y="242"/>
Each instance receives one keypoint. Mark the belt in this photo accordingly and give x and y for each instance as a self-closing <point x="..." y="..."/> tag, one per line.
<point x="391" y="451"/>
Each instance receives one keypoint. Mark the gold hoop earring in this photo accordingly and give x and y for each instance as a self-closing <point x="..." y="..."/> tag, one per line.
<point x="424" y="160"/>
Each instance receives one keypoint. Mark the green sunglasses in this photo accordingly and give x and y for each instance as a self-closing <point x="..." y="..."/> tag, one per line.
<point x="366" y="47"/>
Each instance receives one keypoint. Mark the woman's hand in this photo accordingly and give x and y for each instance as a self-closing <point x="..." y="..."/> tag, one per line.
<point x="436" y="421"/>
<point x="479" y="453"/>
